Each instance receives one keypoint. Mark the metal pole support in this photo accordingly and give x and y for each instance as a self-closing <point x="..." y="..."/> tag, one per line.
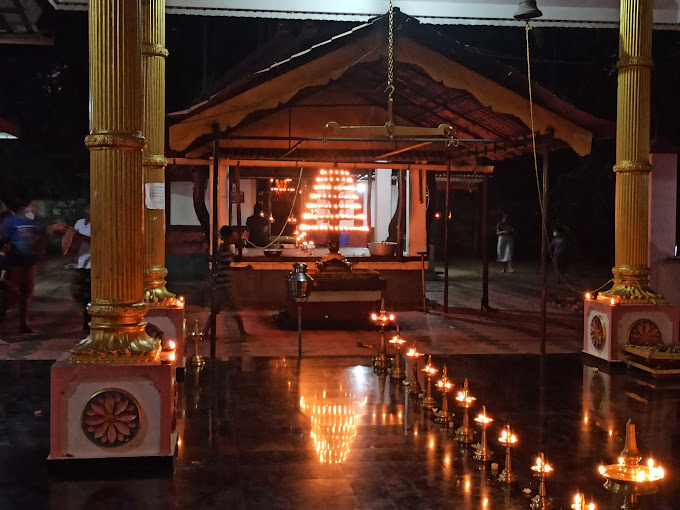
<point x="299" y="330"/>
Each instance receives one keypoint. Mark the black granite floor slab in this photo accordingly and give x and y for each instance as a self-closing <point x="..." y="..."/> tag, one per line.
<point x="326" y="433"/>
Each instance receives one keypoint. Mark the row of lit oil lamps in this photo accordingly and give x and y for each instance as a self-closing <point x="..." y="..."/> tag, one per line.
<point x="627" y="476"/>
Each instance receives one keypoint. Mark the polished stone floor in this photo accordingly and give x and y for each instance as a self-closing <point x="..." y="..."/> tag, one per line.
<point x="254" y="435"/>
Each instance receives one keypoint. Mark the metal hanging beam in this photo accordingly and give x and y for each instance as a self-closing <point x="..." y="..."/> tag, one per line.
<point x="269" y="163"/>
<point x="379" y="135"/>
<point x="389" y="130"/>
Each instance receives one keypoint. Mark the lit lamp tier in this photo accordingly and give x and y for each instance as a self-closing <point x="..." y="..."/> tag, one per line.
<point x="333" y="206"/>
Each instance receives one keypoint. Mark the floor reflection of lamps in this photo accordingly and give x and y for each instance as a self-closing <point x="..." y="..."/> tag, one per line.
<point x="299" y="286"/>
<point x="628" y="477"/>
<point x="334" y="425"/>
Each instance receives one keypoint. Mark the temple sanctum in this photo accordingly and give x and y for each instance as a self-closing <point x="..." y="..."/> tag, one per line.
<point x="274" y="322"/>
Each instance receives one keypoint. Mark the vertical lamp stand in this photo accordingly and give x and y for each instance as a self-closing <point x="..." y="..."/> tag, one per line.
<point x="465" y="434"/>
<point x="444" y="417"/>
<point x="541" y="501"/>
<point x="381" y="362"/>
<point x="415" y="389"/>
<point x="196" y="360"/>
<point x="299" y="286"/>
<point x="397" y="373"/>
<point x="429" y="402"/>
<point x="507" y="439"/>
<point x="483" y="453"/>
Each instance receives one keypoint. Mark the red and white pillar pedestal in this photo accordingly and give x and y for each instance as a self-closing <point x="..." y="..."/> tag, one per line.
<point x="100" y="411"/>
<point x="609" y="327"/>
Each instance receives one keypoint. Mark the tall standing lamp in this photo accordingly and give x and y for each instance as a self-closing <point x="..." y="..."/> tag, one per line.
<point x="299" y="286"/>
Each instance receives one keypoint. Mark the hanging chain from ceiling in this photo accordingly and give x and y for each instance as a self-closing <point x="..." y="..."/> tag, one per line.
<point x="390" y="53"/>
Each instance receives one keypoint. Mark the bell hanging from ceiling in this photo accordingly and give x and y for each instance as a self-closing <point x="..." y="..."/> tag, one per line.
<point x="527" y="10"/>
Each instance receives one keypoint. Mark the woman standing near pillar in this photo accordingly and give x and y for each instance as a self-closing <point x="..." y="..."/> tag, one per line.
<point x="505" y="247"/>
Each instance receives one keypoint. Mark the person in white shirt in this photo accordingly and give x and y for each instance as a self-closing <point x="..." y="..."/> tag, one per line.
<point x="82" y="291"/>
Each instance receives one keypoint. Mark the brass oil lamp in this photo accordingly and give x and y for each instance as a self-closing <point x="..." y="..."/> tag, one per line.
<point x="168" y="355"/>
<point x="397" y="373"/>
<point x="413" y="354"/>
<point x="465" y="434"/>
<point x="196" y="360"/>
<point x="541" y="501"/>
<point x="381" y="361"/>
<point x="444" y="417"/>
<point x="429" y="401"/>
<point x="580" y="503"/>
<point x="628" y="476"/>
<point x="508" y="440"/>
<point x="483" y="453"/>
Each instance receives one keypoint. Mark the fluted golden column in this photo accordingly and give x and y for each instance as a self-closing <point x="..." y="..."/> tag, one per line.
<point x="153" y="79"/>
<point x="116" y="188"/>
<point x="631" y="274"/>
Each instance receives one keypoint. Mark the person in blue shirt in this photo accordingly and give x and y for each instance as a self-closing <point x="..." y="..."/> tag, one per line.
<point x="26" y="239"/>
<point x="558" y="248"/>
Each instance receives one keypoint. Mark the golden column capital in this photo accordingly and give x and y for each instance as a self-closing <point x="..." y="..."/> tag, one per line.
<point x="115" y="141"/>
<point x="631" y="274"/>
<point x="153" y="73"/>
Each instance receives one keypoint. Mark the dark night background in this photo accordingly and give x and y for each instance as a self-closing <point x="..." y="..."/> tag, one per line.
<point x="45" y="91"/>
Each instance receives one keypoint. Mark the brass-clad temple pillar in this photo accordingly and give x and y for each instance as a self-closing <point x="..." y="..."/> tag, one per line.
<point x="631" y="274"/>
<point x="153" y="78"/>
<point x="116" y="188"/>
